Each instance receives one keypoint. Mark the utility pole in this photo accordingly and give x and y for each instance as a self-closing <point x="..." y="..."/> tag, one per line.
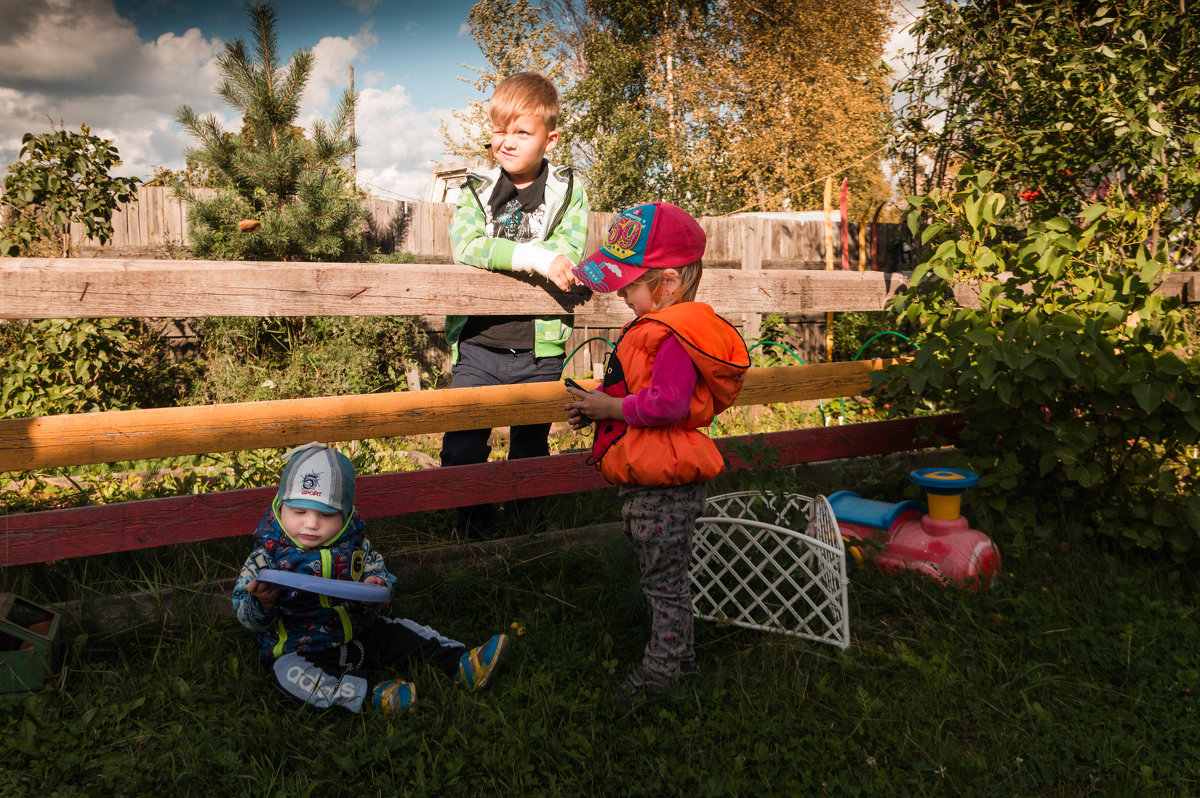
<point x="353" y="170"/>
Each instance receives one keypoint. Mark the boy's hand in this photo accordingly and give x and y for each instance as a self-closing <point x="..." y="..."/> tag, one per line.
<point x="266" y="593"/>
<point x="560" y="273"/>
<point x="591" y="406"/>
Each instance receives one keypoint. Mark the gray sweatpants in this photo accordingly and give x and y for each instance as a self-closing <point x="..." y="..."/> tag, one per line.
<point x="342" y="677"/>
<point x="659" y="522"/>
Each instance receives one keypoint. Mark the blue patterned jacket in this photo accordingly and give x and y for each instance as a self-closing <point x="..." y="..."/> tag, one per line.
<point x="303" y="621"/>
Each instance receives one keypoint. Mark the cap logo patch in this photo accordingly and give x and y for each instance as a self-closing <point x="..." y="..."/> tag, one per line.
<point x="310" y="481"/>
<point x="623" y="235"/>
<point x="595" y="272"/>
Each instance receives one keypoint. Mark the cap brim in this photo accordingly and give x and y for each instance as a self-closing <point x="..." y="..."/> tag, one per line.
<point x="604" y="274"/>
<point x="309" y="504"/>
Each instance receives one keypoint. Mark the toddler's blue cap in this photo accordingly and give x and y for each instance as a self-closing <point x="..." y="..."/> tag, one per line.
<point x="317" y="478"/>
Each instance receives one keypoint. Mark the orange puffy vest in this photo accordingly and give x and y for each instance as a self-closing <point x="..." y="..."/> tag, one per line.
<point x="677" y="454"/>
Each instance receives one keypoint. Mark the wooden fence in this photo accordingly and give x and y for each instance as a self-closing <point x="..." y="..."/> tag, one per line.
<point x="50" y="288"/>
<point x="155" y="226"/>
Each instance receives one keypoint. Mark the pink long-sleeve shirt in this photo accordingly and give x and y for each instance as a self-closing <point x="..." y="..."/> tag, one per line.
<point x="672" y="379"/>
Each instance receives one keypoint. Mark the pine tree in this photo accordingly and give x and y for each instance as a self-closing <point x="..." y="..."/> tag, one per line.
<point x="294" y="184"/>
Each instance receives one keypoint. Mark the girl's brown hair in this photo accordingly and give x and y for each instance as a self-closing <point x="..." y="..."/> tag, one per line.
<point x="689" y="281"/>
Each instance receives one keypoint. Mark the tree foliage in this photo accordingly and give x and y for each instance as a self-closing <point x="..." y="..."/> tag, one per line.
<point x="60" y="178"/>
<point x="615" y="48"/>
<point x="1055" y="153"/>
<point x="514" y="36"/>
<point x="717" y="105"/>
<point x="1072" y="370"/>
<point x="292" y="183"/>
<point x="1063" y="102"/>
<point x="193" y="175"/>
<point x="770" y="98"/>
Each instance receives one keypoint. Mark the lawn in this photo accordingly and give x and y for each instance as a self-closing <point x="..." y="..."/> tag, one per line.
<point x="1076" y="675"/>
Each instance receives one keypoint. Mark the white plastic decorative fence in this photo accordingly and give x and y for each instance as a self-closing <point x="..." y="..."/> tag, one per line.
<point x="751" y="568"/>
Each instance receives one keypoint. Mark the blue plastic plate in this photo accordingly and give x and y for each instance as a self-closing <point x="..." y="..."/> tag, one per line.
<point x="337" y="588"/>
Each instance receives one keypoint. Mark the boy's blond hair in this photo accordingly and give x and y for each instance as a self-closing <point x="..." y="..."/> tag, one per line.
<point x="689" y="281"/>
<point x="524" y="93"/>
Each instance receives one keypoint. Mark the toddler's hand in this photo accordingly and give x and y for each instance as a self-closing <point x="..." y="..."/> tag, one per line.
<point x="374" y="580"/>
<point x="591" y="406"/>
<point x="576" y="419"/>
<point x="265" y="593"/>
<point x="560" y="273"/>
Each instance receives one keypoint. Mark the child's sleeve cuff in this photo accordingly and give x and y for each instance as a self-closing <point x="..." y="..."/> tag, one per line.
<point x="532" y="259"/>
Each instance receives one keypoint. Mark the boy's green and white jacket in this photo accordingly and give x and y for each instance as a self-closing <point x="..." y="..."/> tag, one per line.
<point x="564" y="233"/>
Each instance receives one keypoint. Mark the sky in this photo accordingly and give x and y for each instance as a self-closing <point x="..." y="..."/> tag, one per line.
<point x="124" y="66"/>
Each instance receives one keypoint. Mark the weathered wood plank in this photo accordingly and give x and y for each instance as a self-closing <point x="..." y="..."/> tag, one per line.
<point x="103" y="529"/>
<point x="82" y="438"/>
<point x="83" y="288"/>
<point x="93" y="288"/>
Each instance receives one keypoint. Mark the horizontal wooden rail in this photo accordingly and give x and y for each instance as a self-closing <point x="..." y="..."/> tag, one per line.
<point x="78" y="439"/>
<point x="103" y="529"/>
<point x="32" y="288"/>
<point x="82" y="288"/>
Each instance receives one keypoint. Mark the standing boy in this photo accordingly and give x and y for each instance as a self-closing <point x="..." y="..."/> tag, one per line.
<point x="524" y="215"/>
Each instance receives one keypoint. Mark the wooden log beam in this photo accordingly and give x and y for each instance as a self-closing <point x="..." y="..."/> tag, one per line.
<point x="32" y="288"/>
<point x="104" y="529"/>
<point x="51" y="288"/>
<point x="82" y="438"/>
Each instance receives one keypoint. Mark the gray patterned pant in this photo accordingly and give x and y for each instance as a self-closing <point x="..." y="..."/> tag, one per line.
<point x="659" y="522"/>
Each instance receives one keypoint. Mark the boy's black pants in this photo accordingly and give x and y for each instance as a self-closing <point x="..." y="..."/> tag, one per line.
<point x="478" y="366"/>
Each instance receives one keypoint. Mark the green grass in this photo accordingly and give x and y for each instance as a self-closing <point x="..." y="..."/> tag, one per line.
<point x="1076" y="675"/>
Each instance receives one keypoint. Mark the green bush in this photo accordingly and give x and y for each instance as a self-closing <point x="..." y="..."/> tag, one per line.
<point x="859" y="335"/>
<point x="255" y="359"/>
<point x="58" y="366"/>
<point x="1072" y="371"/>
<point x="63" y="179"/>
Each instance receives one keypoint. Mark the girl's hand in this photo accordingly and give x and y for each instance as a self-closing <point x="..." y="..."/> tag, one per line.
<point x="265" y="593"/>
<point x="576" y="419"/>
<point x="591" y="406"/>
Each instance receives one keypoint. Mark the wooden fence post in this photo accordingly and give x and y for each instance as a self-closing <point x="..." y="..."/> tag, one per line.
<point x="829" y="263"/>
<point x="752" y="257"/>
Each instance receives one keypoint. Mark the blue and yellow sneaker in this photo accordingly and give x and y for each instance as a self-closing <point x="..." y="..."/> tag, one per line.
<point x="478" y="665"/>
<point x="394" y="697"/>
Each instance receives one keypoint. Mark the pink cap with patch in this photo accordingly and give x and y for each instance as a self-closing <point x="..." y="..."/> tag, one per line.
<point x="656" y="235"/>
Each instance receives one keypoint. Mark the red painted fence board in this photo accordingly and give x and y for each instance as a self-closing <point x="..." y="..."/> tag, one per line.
<point x="105" y="529"/>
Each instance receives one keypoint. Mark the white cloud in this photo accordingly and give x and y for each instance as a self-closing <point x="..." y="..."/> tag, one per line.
<point x="464" y="29"/>
<point x="332" y="57"/>
<point x="363" y="6"/>
<point x="902" y="42"/>
<point x="71" y="62"/>
<point x="399" y="143"/>
<point x="63" y="43"/>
